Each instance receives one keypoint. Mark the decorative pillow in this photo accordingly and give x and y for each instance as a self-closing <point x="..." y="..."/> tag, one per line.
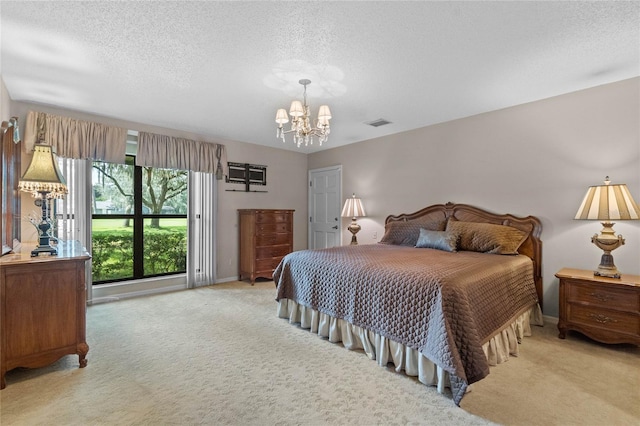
<point x="487" y="237"/>
<point x="441" y="240"/>
<point x="405" y="233"/>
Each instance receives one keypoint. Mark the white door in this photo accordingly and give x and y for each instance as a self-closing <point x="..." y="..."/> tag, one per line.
<point x="324" y="207"/>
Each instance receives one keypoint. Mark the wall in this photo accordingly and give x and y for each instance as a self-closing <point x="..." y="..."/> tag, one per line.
<point x="537" y="158"/>
<point x="532" y="159"/>
<point x="286" y="184"/>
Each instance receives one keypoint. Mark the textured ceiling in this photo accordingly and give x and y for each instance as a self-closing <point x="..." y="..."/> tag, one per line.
<point x="221" y="69"/>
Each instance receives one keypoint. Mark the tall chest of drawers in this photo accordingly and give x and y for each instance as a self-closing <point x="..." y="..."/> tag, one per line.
<point x="605" y="309"/>
<point x="266" y="236"/>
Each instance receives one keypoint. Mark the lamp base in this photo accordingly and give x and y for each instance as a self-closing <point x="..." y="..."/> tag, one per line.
<point x="607" y="241"/>
<point x="44" y="228"/>
<point x="354" y="228"/>
<point x="607" y="274"/>
<point x="607" y="268"/>
<point x="44" y="250"/>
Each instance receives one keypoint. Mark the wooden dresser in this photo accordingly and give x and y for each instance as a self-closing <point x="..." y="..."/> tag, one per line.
<point x="605" y="309"/>
<point x="42" y="308"/>
<point x="266" y="236"/>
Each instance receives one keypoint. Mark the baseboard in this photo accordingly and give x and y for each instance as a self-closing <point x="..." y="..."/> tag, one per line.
<point x="135" y="288"/>
<point x="130" y="294"/>
<point x="226" y="280"/>
<point x="550" y="320"/>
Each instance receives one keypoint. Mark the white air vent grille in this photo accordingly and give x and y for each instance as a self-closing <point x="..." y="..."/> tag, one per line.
<point x="379" y="122"/>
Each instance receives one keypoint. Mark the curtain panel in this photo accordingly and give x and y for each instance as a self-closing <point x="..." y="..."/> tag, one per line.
<point x="73" y="212"/>
<point x="179" y="153"/>
<point x="76" y="139"/>
<point x="202" y="214"/>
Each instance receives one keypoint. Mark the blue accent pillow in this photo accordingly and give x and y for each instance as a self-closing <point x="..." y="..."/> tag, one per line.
<point x="440" y="240"/>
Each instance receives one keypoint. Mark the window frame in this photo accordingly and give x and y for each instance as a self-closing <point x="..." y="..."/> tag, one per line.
<point x="138" y="217"/>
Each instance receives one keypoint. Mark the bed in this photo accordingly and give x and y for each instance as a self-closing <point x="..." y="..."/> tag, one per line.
<point x="449" y="290"/>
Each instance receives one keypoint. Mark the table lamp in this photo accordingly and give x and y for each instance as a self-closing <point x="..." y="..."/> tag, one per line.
<point x="353" y="208"/>
<point x="44" y="180"/>
<point x="606" y="203"/>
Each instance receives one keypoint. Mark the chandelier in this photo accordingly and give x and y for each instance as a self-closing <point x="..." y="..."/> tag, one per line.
<point x="301" y="126"/>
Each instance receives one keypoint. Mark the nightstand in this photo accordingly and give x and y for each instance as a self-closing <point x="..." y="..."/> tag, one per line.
<point x="605" y="309"/>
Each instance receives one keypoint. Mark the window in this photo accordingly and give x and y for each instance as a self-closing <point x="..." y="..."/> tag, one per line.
<point x="139" y="221"/>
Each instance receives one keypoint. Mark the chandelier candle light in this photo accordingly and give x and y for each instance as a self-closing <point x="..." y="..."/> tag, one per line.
<point x="606" y="203"/>
<point x="301" y="123"/>
<point x="353" y="208"/>
<point x="45" y="181"/>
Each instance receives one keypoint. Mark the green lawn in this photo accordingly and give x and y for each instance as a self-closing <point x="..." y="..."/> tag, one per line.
<point x="107" y="224"/>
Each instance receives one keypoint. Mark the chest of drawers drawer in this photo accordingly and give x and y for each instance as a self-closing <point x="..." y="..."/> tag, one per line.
<point x="272" y="239"/>
<point x="270" y="228"/>
<point x="272" y="217"/>
<point x="272" y="251"/>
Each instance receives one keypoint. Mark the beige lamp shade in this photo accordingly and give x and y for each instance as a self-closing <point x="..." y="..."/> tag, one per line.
<point x="608" y="202"/>
<point x="296" y="109"/>
<point x="43" y="174"/>
<point x="353" y="207"/>
<point x="281" y="116"/>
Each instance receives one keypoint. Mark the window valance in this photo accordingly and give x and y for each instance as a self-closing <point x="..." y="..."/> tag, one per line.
<point x="179" y="153"/>
<point x="76" y="139"/>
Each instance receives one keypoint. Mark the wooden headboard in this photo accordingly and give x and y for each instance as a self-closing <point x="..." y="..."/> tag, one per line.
<point x="531" y="247"/>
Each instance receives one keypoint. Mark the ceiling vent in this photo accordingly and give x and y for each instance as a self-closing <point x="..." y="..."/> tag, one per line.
<point x="379" y="122"/>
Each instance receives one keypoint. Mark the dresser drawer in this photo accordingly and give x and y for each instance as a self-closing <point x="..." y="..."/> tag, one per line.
<point x="267" y="228"/>
<point x="267" y="264"/>
<point x="272" y="217"/>
<point x="614" y="321"/>
<point x="273" y="239"/>
<point x="608" y="297"/>
<point x="272" y="251"/>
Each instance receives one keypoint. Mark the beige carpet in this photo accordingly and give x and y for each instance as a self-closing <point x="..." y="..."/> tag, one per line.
<point x="219" y="355"/>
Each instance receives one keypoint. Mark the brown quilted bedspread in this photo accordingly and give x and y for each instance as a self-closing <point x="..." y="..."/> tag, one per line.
<point x="445" y="305"/>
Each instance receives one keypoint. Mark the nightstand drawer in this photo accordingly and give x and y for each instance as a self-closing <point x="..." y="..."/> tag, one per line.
<point x="604" y="296"/>
<point x="603" y="318"/>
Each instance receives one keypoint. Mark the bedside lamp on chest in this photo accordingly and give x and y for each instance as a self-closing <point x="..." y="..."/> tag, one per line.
<point x="606" y="203"/>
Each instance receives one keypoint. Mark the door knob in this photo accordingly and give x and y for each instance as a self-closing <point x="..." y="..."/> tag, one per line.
<point x="335" y="227"/>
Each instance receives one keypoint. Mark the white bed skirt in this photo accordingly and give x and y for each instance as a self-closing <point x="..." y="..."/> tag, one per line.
<point x="383" y="350"/>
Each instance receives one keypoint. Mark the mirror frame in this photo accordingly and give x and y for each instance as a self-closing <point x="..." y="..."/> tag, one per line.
<point x="10" y="196"/>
